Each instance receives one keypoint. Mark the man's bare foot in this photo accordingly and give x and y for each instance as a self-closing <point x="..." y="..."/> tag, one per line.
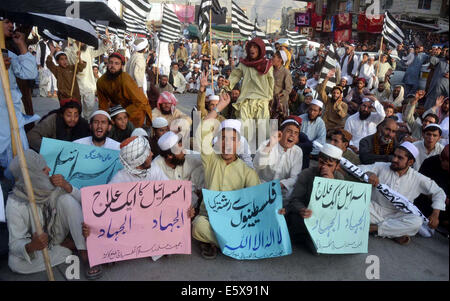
<point x="373" y="229"/>
<point x="404" y="240"/>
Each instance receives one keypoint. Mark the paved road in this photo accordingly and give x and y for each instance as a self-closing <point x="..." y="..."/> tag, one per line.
<point x="422" y="259"/>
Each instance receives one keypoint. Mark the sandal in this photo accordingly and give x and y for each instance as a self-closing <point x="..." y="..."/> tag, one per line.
<point x="404" y="240"/>
<point x="94" y="272"/>
<point x="208" y="251"/>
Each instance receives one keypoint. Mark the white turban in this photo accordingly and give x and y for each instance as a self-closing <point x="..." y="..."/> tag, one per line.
<point x="133" y="153"/>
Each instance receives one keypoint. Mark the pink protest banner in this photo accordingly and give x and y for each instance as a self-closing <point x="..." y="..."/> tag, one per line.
<point x="138" y="219"/>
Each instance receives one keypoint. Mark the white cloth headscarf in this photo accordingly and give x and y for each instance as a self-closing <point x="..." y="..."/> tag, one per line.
<point x="133" y="153"/>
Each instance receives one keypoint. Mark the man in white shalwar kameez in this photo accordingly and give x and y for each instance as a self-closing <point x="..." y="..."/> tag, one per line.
<point x="364" y="122"/>
<point x="136" y="66"/>
<point x="176" y="165"/>
<point x="385" y="219"/>
<point x="279" y="158"/>
<point x="430" y="145"/>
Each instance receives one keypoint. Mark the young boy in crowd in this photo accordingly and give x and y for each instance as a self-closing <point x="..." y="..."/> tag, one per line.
<point x="122" y="127"/>
<point x="64" y="74"/>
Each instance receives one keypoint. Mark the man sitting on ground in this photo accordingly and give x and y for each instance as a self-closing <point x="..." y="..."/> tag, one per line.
<point x="100" y="125"/>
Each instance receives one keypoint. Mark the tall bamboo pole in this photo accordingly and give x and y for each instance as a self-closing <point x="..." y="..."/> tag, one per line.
<point x="379" y="57"/>
<point x="210" y="48"/>
<point x="15" y="136"/>
<point x="75" y="70"/>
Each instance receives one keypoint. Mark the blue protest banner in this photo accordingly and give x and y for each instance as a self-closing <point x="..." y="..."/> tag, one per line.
<point x="340" y="216"/>
<point x="81" y="165"/>
<point x="247" y="223"/>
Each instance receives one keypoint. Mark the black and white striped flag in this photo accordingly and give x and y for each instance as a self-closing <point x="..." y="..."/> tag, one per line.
<point x="296" y="39"/>
<point x="135" y="15"/>
<point x="330" y="63"/>
<point x="101" y="29"/>
<point x="239" y="21"/>
<point x="170" y="27"/>
<point x="203" y="15"/>
<point x="260" y="34"/>
<point x="392" y="31"/>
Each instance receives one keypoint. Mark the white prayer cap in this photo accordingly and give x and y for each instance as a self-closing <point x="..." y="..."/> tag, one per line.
<point x="331" y="151"/>
<point x="139" y="132"/>
<point x="215" y="68"/>
<point x="100" y="112"/>
<point x="159" y="122"/>
<point x="140" y="44"/>
<point x="433" y="125"/>
<point x="411" y="148"/>
<point x="134" y="151"/>
<point x="59" y="53"/>
<point x="197" y="66"/>
<point x="366" y="99"/>
<point x="231" y="124"/>
<point x="213" y="97"/>
<point x="168" y="140"/>
<point x="345" y="77"/>
<point x="317" y="103"/>
<point x="283" y="56"/>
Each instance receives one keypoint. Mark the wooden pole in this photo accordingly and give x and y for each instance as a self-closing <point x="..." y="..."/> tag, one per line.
<point x="157" y="64"/>
<point x="379" y="58"/>
<point x="210" y="48"/>
<point x="23" y="164"/>
<point x="75" y="70"/>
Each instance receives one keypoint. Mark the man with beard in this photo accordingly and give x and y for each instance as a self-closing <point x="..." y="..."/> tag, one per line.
<point x="164" y="84"/>
<point x="381" y="93"/>
<point x="118" y="88"/>
<point x="182" y="68"/>
<point x="279" y="158"/>
<point x="176" y="79"/>
<point x="85" y="79"/>
<point x="64" y="124"/>
<point x="166" y="108"/>
<point x="177" y="165"/>
<point x="136" y="158"/>
<point x="314" y="81"/>
<point x="364" y="122"/>
<point x="100" y="125"/>
<point x="380" y="146"/>
<point x="313" y="126"/>
<point x="397" y="96"/>
<point x="385" y="219"/>
<point x="335" y="109"/>
<point x="207" y="103"/>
